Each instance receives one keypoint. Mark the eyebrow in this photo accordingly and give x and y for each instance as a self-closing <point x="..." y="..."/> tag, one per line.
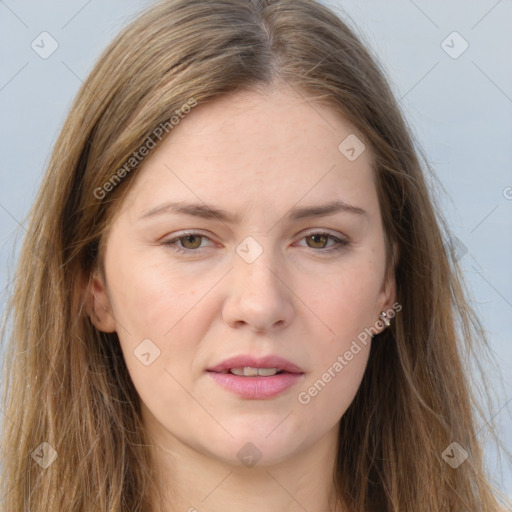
<point x="206" y="211"/>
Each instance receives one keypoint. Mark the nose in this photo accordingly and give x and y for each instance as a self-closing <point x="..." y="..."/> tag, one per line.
<point x="259" y="296"/>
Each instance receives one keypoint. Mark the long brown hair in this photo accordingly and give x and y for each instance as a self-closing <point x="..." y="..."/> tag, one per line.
<point x="66" y="383"/>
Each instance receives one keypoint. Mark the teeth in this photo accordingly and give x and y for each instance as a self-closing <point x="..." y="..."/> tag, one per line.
<point x="267" y="372"/>
<point x="254" y="372"/>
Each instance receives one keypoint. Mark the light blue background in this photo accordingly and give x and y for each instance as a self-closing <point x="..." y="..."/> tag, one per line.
<point x="460" y="110"/>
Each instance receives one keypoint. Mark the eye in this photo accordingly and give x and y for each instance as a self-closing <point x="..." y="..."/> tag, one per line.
<point x="186" y="242"/>
<point x="191" y="242"/>
<point x="319" y="240"/>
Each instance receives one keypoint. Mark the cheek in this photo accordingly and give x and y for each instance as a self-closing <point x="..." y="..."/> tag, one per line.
<point x="159" y="312"/>
<point x="347" y="306"/>
<point x="347" y="299"/>
<point x="149" y="298"/>
<point x="162" y="317"/>
<point x="330" y="391"/>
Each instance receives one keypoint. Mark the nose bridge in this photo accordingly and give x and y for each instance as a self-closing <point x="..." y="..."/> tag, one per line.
<point x="256" y="269"/>
<point x="258" y="297"/>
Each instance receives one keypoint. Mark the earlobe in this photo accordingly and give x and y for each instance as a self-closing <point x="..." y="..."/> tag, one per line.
<point x="98" y="304"/>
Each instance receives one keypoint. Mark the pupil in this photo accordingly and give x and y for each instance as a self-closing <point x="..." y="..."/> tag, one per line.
<point x="190" y="239"/>
<point x="316" y="237"/>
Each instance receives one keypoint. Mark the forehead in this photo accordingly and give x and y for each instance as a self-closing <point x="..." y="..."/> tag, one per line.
<point x="250" y="149"/>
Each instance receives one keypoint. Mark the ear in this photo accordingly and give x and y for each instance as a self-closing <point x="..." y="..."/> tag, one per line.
<point x="387" y="296"/>
<point x="98" y="304"/>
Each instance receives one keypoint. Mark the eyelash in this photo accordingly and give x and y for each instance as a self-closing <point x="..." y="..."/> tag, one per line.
<point x="340" y="243"/>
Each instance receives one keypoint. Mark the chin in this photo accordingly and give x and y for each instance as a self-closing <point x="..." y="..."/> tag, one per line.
<point x="253" y="447"/>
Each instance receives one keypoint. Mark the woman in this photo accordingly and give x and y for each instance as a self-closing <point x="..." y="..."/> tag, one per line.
<point x="234" y="289"/>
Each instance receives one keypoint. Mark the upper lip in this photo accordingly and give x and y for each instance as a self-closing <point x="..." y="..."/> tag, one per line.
<point x="244" y="361"/>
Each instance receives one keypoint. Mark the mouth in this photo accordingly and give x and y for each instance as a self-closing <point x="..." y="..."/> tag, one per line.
<point x="256" y="379"/>
<point x="248" y="371"/>
<point x="251" y="366"/>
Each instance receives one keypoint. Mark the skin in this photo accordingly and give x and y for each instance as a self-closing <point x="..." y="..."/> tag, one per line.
<point x="258" y="154"/>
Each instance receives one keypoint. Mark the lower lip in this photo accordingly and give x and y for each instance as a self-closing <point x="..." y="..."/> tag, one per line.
<point x="256" y="388"/>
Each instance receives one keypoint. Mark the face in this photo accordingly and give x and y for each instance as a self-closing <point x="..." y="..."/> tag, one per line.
<point x="248" y="240"/>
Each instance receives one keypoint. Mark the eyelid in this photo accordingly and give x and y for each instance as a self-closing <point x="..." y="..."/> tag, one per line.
<point x="177" y="236"/>
<point x="323" y="231"/>
<point x="341" y="241"/>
